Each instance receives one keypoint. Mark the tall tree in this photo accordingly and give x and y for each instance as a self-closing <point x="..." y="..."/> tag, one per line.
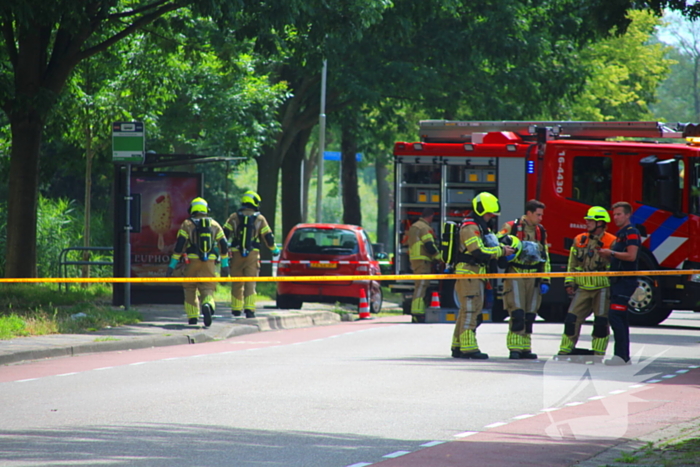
<point x="623" y="74"/>
<point x="683" y="84"/>
<point x="303" y="48"/>
<point x="43" y="42"/>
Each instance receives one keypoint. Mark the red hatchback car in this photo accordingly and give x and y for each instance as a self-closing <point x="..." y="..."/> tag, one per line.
<point x="328" y="250"/>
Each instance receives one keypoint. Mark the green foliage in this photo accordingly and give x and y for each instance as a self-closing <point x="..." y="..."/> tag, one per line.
<point x="71" y="320"/>
<point x="59" y="226"/>
<point x="37" y="309"/>
<point x="12" y="326"/>
<point x="624" y="72"/>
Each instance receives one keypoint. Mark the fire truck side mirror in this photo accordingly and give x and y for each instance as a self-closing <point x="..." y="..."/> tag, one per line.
<point x="648" y="161"/>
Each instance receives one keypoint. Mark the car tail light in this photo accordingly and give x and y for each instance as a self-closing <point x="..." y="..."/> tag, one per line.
<point x="362" y="269"/>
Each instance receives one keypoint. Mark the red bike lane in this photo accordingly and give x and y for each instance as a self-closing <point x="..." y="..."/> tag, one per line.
<point x="562" y="437"/>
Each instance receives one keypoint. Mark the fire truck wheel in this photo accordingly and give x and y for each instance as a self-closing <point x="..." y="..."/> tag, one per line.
<point x="498" y="314"/>
<point x="649" y="310"/>
<point x="552" y="313"/>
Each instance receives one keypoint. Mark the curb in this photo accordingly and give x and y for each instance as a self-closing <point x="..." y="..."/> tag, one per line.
<point x="611" y="456"/>
<point x="271" y="322"/>
<point x="105" y="346"/>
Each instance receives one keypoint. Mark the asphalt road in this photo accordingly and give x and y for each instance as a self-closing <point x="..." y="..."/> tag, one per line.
<point x="352" y="394"/>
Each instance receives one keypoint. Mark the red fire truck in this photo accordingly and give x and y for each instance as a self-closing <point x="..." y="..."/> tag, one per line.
<point x="569" y="166"/>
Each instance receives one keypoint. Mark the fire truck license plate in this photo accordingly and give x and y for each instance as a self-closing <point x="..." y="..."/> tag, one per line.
<point x="323" y="265"/>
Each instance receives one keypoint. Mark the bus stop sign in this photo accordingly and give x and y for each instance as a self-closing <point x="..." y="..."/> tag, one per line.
<point x="128" y="143"/>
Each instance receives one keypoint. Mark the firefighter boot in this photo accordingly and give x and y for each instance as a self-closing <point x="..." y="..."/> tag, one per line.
<point x="249" y="306"/>
<point x="206" y="314"/>
<point x="524" y="355"/>
<point x="236" y="307"/>
<point x="478" y="355"/>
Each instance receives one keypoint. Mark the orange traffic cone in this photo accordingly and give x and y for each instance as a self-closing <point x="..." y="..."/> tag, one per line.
<point x="435" y="300"/>
<point x="364" y="306"/>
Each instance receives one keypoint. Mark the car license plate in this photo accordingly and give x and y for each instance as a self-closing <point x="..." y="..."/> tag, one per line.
<point x="323" y="265"/>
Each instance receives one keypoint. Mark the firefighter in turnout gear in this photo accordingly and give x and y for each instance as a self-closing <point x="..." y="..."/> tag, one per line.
<point x="478" y="246"/>
<point x="591" y="294"/>
<point x="197" y="240"/>
<point x="245" y="229"/>
<point x="522" y="297"/>
<point x="422" y="251"/>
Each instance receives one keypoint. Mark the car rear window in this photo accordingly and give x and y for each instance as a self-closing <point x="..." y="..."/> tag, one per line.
<point x="323" y="241"/>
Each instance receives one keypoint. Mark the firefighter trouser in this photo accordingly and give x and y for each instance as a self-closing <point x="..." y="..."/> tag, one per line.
<point x="243" y="293"/>
<point x="585" y="303"/>
<point x="197" y="268"/>
<point x="521" y="298"/>
<point x="471" y="301"/>
<point x="620" y="293"/>
<point x="420" y="286"/>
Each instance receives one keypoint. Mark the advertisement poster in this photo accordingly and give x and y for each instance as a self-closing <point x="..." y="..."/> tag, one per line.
<point x="165" y="202"/>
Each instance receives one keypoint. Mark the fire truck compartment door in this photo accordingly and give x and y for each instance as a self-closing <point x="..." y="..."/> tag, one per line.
<point x="511" y="188"/>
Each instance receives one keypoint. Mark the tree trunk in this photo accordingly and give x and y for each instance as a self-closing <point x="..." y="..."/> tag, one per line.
<point x="291" y="181"/>
<point x="268" y="171"/>
<point x="383" y="200"/>
<point x="21" y="254"/>
<point x="352" y="212"/>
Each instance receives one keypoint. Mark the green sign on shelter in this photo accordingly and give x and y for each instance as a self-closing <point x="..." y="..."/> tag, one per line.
<point x="128" y="143"/>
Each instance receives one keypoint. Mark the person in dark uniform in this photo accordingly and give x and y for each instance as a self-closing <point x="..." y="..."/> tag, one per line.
<point x="623" y="257"/>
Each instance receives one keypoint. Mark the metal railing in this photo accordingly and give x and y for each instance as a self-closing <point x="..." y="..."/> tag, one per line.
<point x="64" y="262"/>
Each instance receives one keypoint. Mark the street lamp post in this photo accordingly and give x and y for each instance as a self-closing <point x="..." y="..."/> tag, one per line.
<point x="321" y="144"/>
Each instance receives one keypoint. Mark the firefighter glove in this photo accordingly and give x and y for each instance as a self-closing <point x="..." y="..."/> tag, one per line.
<point x="169" y="272"/>
<point x="544" y="288"/>
<point x="569" y="287"/>
<point x="275" y="251"/>
<point x="510" y="257"/>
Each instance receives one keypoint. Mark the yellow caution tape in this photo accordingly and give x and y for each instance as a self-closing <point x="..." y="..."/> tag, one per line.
<point x="385" y="277"/>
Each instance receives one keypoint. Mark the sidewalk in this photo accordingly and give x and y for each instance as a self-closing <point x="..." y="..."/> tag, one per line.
<point x="165" y="325"/>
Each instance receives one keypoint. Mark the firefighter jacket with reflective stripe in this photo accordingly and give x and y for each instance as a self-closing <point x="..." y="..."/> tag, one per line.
<point x="187" y="240"/>
<point x="261" y="230"/>
<point x="420" y="236"/>
<point x="525" y="231"/>
<point x="584" y="256"/>
<point x="471" y="242"/>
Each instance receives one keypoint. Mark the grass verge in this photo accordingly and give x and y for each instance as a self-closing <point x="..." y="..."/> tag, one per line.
<point x="39" y="309"/>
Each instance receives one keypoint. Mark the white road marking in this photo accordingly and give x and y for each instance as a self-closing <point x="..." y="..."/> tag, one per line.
<point x="396" y="454"/>
<point x="496" y="425"/>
